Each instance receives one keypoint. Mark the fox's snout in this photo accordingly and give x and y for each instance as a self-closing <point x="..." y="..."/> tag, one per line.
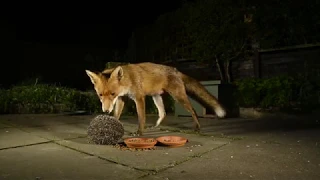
<point x="106" y="107"/>
<point x="105" y="111"/>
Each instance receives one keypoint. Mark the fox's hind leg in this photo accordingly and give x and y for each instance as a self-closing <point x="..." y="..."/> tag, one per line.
<point x="178" y="92"/>
<point x="157" y="99"/>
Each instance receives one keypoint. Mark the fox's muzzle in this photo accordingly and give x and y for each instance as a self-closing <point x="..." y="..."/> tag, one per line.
<point x="105" y="110"/>
<point x="108" y="105"/>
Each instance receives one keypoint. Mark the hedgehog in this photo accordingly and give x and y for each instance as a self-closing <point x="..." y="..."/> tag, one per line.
<point x="105" y="130"/>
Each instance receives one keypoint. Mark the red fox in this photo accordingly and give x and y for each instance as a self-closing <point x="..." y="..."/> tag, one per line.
<point x="149" y="79"/>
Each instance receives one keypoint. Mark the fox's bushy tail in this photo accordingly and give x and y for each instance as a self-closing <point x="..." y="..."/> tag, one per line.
<point x="198" y="92"/>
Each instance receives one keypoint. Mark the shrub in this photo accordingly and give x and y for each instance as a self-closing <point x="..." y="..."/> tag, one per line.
<point x="43" y="98"/>
<point x="281" y="91"/>
<point x="248" y="93"/>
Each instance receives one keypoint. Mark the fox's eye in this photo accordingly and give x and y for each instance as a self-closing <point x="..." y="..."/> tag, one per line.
<point x="112" y="94"/>
<point x="100" y="94"/>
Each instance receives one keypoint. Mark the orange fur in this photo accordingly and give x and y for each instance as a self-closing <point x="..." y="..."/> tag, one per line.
<point x="149" y="79"/>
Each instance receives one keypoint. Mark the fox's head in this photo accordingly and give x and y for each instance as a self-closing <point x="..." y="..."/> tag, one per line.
<point x="108" y="86"/>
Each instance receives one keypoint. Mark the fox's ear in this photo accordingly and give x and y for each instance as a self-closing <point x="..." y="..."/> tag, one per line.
<point x="118" y="72"/>
<point x="107" y="71"/>
<point x="93" y="76"/>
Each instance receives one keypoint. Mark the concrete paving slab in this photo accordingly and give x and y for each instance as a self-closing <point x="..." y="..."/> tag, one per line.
<point x="51" y="162"/>
<point x="209" y="126"/>
<point x="2" y="125"/>
<point x="249" y="127"/>
<point x="308" y="138"/>
<point x="12" y="137"/>
<point x="247" y="159"/>
<point x="245" y="128"/>
<point x="259" y="149"/>
<point x="59" y="132"/>
<point x="153" y="160"/>
<point x="36" y="120"/>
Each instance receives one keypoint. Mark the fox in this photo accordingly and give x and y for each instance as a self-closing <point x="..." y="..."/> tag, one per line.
<point x="139" y="80"/>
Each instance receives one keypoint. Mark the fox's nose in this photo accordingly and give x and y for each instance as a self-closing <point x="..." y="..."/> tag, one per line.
<point x="105" y="111"/>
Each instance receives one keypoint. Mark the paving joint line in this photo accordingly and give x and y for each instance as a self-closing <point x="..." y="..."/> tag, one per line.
<point x="183" y="161"/>
<point x="12" y="125"/>
<point x="32" y="144"/>
<point x="74" y="149"/>
<point x="102" y="158"/>
<point x="148" y="172"/>
<point x="190" y="131"/>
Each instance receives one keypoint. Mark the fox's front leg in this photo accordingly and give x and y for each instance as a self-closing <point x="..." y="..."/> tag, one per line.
<point x="140" y="106"/>
<point x="118" y="108"/>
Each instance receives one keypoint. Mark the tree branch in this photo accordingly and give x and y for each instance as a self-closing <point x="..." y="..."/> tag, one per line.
<point x="219" y="68"/>
<point x="239" y="52"/>
<point x="228" y="72"/>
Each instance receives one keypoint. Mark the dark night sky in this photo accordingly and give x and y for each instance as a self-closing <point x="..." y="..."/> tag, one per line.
<point x="100" y="23"/>
<point x="104" y="25"/>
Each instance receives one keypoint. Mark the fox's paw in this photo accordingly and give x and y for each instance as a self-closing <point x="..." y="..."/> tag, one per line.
<point x="197" y="127"/>
<point x="150" y="127"/>
<point x="135" y="134"/>
<point x="153" y="127"/>
<point x="197" y="131"/>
